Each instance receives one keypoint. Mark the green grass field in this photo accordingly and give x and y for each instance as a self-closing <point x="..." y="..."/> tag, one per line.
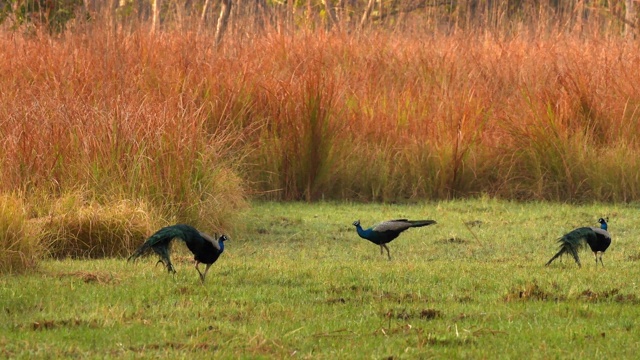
<point x="298" y="282"/>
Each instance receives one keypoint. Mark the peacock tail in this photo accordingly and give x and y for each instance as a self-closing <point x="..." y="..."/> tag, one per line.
<point x="575" y="240"/>
<point x="160" y="244"/>
<point x="420" y="223"/>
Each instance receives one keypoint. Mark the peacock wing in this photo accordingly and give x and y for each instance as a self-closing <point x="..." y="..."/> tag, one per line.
<point x="210" y="239"/>
<point x="577" y="237"/>
<point x="604" y="238"/>
<point x="392" y="225"/>
<point x="601" y="232"/>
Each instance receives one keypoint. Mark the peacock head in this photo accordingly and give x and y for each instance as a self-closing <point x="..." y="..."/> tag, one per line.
<point x="603" y="223"/>
<point x="356" y="223"/>
<point x="223" y="238"/>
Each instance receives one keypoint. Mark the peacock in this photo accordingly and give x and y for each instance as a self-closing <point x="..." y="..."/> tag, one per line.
<point x="205" y="249"/>
<point x="598" y="240"/>
<point x="387" y="231"/>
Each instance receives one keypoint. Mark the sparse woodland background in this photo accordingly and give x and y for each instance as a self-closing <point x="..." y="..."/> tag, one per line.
<point x="251" y="18"/>
<point x="140" y="113"/>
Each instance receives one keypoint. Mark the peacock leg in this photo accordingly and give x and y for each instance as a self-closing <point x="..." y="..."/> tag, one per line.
<point x="388" y="253"/>
<point x="205" y="271"/>
<point x="600" y="259"/>
<point x="199" y="273"/>
<point x="167" y="264"/>
<point x="170" y="267"/>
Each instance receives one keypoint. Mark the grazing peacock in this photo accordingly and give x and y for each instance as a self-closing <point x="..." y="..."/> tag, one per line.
<point x="598" y="240"/>
<point x="205" y="249"/>
<point x="385" y="232"/>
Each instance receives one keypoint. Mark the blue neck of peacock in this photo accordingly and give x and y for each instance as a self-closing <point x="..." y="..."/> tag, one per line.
<point x="603" y="226"/>
<point x="361" y="232"/>
<point x="221" y="243"/>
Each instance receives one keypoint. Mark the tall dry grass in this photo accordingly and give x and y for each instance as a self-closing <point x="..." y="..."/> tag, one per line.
<point x="437" y="117"/>
<point x="119" y="118"/>
<point x="309" y="115"/>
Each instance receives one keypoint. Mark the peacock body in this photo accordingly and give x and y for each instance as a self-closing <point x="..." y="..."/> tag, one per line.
<point x="385" y="232"/>
<point x="598" y="240"/>
<point x="205" y="248"/>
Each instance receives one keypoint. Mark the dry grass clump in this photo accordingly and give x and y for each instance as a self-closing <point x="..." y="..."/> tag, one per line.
<point x="82" y="228"/>
<point x="531" y="292"/>
<point x="19" y="248"/>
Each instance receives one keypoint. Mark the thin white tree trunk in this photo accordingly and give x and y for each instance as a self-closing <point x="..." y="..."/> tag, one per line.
<point x="223" y="20"/>
<point x="155" y="15"/>
<point x="367" y="13"/>
<point x="630" y="18"/>
<point x="203" y="16"/>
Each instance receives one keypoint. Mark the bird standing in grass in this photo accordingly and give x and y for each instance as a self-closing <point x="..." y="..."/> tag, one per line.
<point x="205" y="249"/>
<point x="598" y="240"/>
<point x="385" y="232"/>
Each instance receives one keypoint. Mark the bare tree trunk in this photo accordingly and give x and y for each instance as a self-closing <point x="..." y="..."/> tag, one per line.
<point x="367" y="13"/>
<point x="579" y="14"/>
<point x="261" y="14"/>
<point x="141" y="10"/>
<point x="188" y="6"/>
<point x="340" y="13"/>
<point x="203" y="16"/>
<point x="630" y="17"/>
<point x="113" y="8"/>
<point x="331" y="11"/>
<point x="310" y="18"/>
<point x="155" y="15"/>
<point x="123" y="19"/>
<point x="180" y="12"/>
<point x="88" y="6"/>
<point x="223" y="20"/>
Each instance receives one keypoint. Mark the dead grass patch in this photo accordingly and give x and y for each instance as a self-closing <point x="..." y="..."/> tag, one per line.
<point x="81" y="228"/>
<point x="634" y="257"/>
<point x="407" y="314"/>
<point x="531" y="292"/>
<point x="91" y="277"/>
<point x="66" y="323"/>
<point x="174" y="346"/>
<point x="609" y="295"/>
<point x="20" y="250"/>
<point x="454" y="240"/>
<point x="402" y="297"/>
<point x="434" y="340"/>
<point x="340" y="300"/>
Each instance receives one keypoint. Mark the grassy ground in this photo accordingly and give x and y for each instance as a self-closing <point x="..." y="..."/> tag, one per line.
<point x="297" y="281"/>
